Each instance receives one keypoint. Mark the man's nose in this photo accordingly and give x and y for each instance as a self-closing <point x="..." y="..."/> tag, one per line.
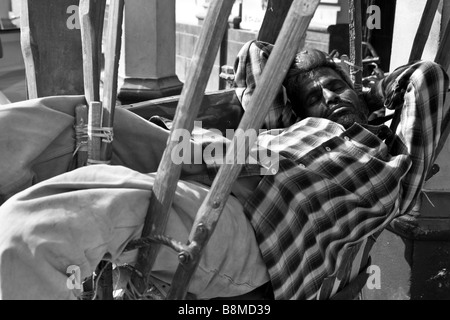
<point x="330" y="96"/>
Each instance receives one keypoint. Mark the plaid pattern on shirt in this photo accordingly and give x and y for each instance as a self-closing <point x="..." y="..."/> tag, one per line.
<point x="335" y="188"/>
<point x="248" y="68"/>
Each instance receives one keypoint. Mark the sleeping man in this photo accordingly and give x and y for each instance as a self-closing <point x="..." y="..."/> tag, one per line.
<point x="340" y="179"/>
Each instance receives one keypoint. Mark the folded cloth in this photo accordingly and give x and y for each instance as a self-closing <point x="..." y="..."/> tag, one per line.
<point x="37" y="142"/>
<point x="72" y="221"/>
<point x="57" y="223"/>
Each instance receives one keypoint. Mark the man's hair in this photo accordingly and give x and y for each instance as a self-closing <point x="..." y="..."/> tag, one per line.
<point x="307" y="61"/>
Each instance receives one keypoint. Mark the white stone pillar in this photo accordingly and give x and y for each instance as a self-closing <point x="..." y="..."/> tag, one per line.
<point x="147" y="67"/>
<point x="407" y="19"/>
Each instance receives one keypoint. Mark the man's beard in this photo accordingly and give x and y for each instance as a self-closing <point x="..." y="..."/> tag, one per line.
<point x="346" y="114"/>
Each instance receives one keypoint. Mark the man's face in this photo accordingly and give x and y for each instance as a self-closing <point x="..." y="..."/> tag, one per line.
<point x="325" y="94"/>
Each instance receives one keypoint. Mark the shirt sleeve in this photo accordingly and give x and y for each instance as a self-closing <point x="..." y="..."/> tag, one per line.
<point x="418" y="93"/>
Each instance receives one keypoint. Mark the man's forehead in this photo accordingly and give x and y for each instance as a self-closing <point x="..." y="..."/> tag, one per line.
<point x="321" y="74"/>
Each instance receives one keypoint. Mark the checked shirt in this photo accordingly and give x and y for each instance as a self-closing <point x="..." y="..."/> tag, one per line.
<point x="335" y="188"/>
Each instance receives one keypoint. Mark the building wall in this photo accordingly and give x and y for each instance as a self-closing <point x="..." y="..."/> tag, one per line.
<point x="188" y="34"/>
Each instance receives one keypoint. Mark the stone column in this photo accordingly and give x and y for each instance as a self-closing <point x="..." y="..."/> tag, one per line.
<point x="147" y="67"/>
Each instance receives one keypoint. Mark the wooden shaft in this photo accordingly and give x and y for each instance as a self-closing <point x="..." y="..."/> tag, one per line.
<point x="112" y="57"/>
<point x="92" y="16"/>
<point x="356" y="43"/>
<point x="82" y="119"/>
<point x="51" y="46"/>
<point x="29" y="50"/>
<point x="294" y="28"/>
<point x="273" y="20"/>
<point x="94" y="122"/>
<point x="443" y="56"/>
<point x="188" y="107"/>
<point x="424" y="29"/>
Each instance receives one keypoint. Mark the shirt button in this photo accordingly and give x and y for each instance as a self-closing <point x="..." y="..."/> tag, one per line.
<point x="346" y="138"/>
<point x="328" y="149"/>
<point x="302" y="166"/>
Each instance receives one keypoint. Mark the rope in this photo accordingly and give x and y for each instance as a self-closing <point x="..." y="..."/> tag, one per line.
<point x="97" y="162"/>
<point x="355" y="67"/>
<point x="106" y="134"/>
<point x="145" y="242"/>
<point x="81" y="135"/>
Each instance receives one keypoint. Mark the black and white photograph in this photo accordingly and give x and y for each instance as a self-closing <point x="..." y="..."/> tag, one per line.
<point x="224" y="155"/>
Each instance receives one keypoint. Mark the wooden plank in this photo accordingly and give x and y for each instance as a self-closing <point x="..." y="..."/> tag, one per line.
<point x="424" y="29"/>
<point x="104" y="269"/>
<point x="92" y="16"/>
<point x="112" y="57"/>
<point x="443" y="56"/>
<point x="29" y="51"/>
<point x="94" y="141"/>
<point x="273" y="20"/>
<point x="168" y="172"/>
<point x="294" y="28"/>
<point x="52" y="48"/>
<point x="356" y="71"/>
<point x="82" y="120"/>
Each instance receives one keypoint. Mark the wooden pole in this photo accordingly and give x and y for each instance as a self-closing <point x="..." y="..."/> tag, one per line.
<point x="112" y="58"/>
<point x="273" y="20"/>
<point x="356" y="71"/>
<point x="424" y="29"/>
<point x="294" y="28"/>
<point x="443" y="56"/>
<point x="51" y="46"/>
<point x="443" y="59"/>
<point x="94" y="141"/>
<point x="223" y="59"/>
<point x="92" y="16"/>
<point x="82" y="119"/>
<point x="190" y="100"/>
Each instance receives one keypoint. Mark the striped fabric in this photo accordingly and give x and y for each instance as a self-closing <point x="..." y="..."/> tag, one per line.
<point x="315" y="220"/>
<point x="248" y="69"/>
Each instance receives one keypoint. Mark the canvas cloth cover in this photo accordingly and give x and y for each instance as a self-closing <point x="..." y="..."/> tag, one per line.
<point x="55" y="219"/>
